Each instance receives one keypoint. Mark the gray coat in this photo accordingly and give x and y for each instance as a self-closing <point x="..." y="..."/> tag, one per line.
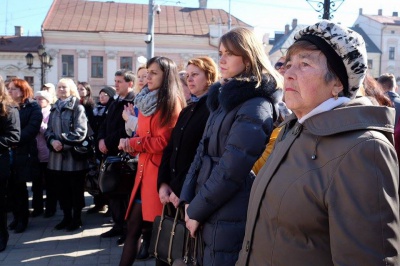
<point x="219" y="180"/>
<point x="328" y="193"/>
<point x="59" y="122"/>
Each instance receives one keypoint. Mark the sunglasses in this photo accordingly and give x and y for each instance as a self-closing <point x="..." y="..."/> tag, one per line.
<point x="279" y="65"/>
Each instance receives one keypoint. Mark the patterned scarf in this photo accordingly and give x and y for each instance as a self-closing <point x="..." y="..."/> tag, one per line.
<point x="146" y="101"/>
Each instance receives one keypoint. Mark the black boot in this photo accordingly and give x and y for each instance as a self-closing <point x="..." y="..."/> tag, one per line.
<point x="76" y="222"/>
<point x="143" y="253"/>
<point x="13" y="224"/>
<point x="65" y="221"/>
<point x="3" y="229"/>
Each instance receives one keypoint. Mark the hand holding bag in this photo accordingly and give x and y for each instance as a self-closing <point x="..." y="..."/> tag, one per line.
<point x="169" y="235"/>
<point x="117" y="174"/>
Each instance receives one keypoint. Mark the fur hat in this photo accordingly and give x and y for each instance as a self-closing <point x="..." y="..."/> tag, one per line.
<point x="44" y="94"/>
<point x="109" y="90"/>
<point x="344" y="49"/>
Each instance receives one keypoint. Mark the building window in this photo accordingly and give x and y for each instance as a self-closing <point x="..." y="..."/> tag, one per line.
<point x="391" y="53"/>
<point x="97" y="66"/>
<point x="126" y="62"/>
<point x="370" y="64"/>
<point x="30" y="80"/>
<point x="67" y="62"/>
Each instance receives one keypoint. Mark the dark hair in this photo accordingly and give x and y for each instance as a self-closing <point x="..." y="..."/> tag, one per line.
<point x="170" y="90"/>
<point x="128" y="75"/>
<point x="5" y="99"/>
<point x="88" y="99"/>
<point x="387" y="81"/>
<point x="23" y="85"/>
<point x="374" y="90"/>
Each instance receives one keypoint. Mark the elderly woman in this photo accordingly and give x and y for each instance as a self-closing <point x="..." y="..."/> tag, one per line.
<point x="67" y="122"/>
<point x="328" y="194"/>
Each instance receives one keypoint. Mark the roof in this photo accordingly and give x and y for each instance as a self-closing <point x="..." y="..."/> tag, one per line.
<point x="387" y="20"/>
<point x="370" y="45"/>
<point x="285" y="39"/>
<point x="94" y="16"/>
<point x="19" y="43"/>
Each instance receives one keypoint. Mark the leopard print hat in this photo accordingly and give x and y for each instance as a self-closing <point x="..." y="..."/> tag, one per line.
<point x="344" y="49"/>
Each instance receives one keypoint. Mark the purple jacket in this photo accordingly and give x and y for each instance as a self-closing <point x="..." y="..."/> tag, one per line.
<point x="43" y="150"/>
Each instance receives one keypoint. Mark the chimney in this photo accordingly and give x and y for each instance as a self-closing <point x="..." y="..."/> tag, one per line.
<point x="202" y="3"/>
<point x="19" y="31"/>
<point x="395" y="14"/>
<point x="286" y="29"/>
<point x="294" y="23"/>
<point x="360" y="11"/>
<point x="379" y="12"/>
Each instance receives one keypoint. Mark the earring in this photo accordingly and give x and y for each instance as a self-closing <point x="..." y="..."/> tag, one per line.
<point x="247" y="67"/>
<point x="336" y="96"/>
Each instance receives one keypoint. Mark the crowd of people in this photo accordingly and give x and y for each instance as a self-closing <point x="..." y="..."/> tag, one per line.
<point x="286" y="164"/>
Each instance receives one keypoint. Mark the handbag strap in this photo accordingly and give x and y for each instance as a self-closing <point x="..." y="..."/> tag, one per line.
<point x="159" y="230"/>
<point x="171" y="239"/>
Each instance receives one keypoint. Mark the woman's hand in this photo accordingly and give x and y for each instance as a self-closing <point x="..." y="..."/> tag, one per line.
<point x="191" y="224"/>
<point x="164" y="192"/>
<point x="128" y="111"/>
<point x="173" y="198"/>
<point x="125" y="146"/>
<point x="57" y="145"/>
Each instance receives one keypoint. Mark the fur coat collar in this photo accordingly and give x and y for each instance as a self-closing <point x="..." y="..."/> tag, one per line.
<point x="235" y="92"/>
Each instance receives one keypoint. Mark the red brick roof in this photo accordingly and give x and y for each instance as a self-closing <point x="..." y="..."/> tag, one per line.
<point x="93" y="16"/>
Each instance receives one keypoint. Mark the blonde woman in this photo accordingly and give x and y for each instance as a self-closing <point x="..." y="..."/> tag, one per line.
<point x="68" y="117"/>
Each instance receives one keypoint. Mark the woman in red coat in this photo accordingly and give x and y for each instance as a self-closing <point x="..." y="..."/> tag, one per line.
<point x="159" y="104"/>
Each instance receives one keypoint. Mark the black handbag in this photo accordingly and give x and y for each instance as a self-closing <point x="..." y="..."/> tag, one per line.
<point x="193" y="251"/>
<point x="92" y="179"/>
<point x="117" y="174"/>
<point x="168" y="238"/>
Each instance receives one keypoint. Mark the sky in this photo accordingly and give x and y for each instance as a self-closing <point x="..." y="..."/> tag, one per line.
<point x="267" y="15"/>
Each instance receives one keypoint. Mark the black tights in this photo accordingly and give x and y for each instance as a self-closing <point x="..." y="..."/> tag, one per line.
<point x="135" y="224"/>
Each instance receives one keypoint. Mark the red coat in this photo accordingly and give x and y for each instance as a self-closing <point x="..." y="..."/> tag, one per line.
<point x="149" y="142"/>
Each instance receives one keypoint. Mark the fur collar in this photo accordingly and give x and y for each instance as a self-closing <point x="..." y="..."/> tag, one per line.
<point x="235" y="92"/>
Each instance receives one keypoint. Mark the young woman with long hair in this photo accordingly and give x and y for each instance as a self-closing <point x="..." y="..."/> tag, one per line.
<point x="159" y="104"/>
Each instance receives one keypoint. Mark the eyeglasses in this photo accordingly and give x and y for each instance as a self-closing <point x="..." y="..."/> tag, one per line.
<point x="279" y="65"/>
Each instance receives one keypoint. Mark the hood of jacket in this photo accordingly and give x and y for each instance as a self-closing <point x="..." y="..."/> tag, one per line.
<point x="235" y="92"/>
<point x="357" y="114"/>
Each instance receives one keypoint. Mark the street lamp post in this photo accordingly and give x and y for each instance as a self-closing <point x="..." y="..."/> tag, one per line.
<point x="46" y="62"/>
<point x="325" y="7"/>
<point x="149" y="38"/>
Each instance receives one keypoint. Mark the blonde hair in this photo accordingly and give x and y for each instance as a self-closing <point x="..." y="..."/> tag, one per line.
<point x="243" y="42"/>
<point x="71" y="85"/>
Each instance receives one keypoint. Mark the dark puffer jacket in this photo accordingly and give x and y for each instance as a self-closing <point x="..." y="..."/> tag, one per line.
<point x="220" y="178"/>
